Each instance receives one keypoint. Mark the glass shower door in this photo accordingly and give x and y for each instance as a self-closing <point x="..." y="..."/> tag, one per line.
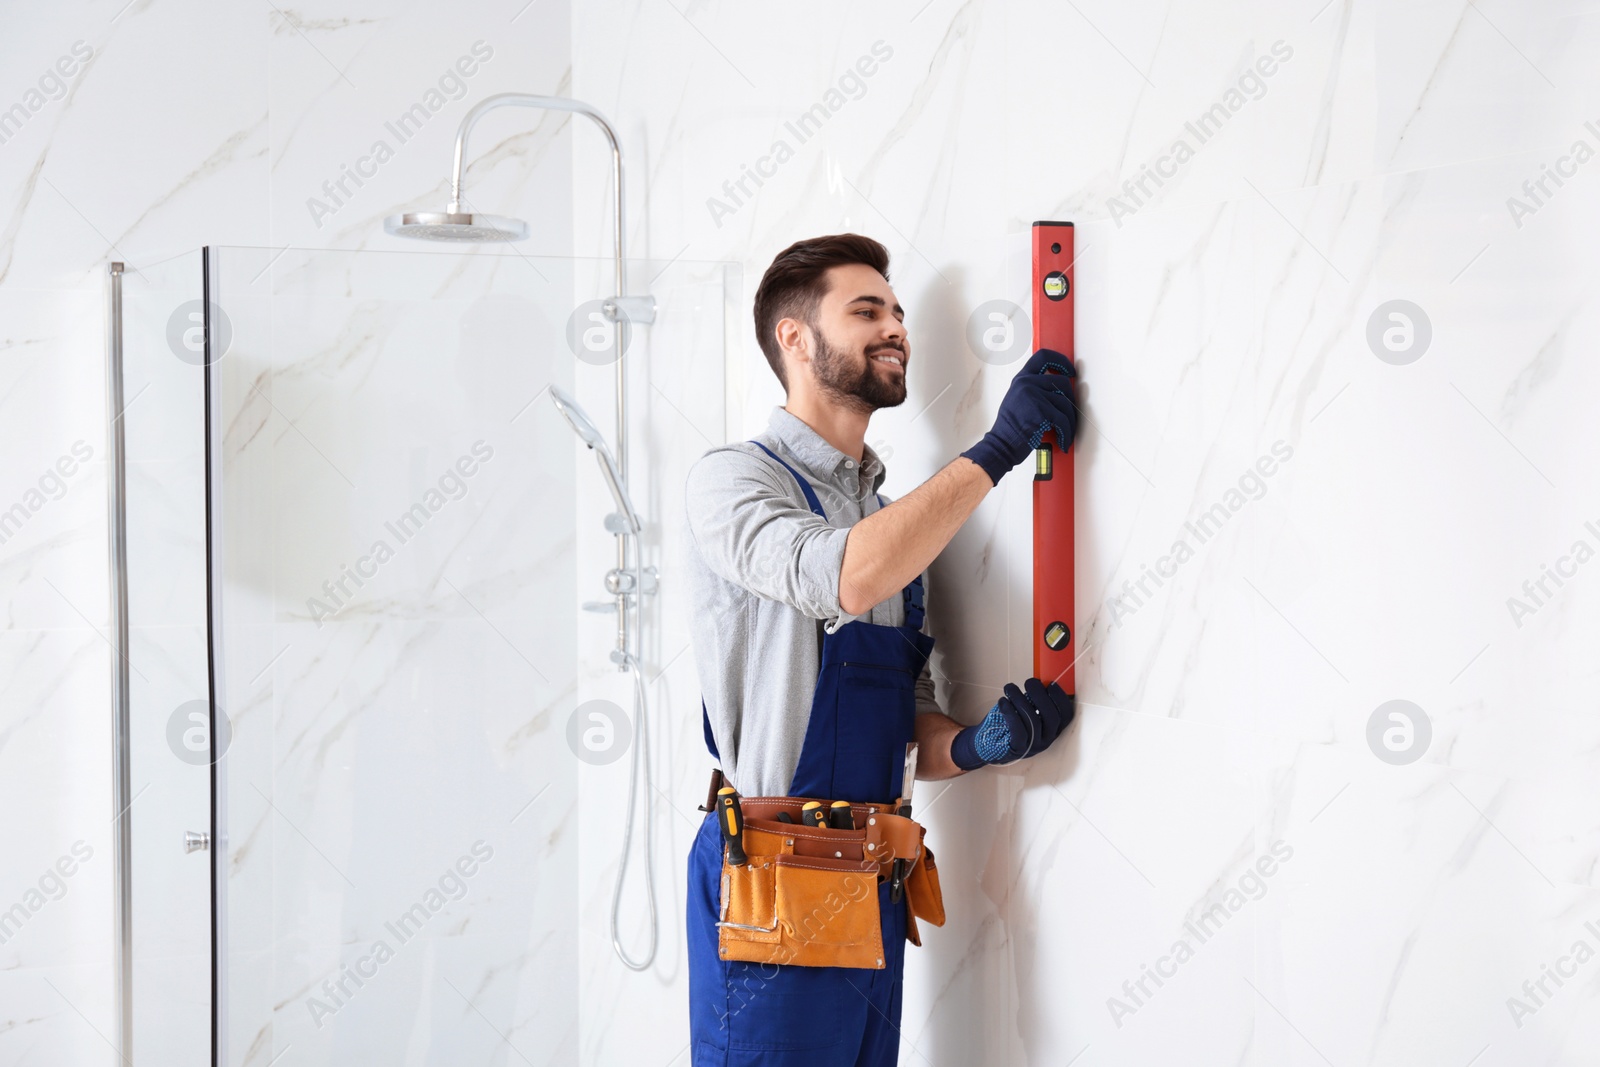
<point x="397" y="542"/>
<point x="403" y="642"/>
<point x="363" y="616"/>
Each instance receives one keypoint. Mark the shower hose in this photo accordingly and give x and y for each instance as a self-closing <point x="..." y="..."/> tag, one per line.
<point x="641" y="753"/>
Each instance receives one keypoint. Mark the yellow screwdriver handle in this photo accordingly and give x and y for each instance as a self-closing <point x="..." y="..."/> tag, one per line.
<point x="732" y="821"/>
<point x="811" y="814"/>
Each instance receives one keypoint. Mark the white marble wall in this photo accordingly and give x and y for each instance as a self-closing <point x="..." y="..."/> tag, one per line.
<point x="192" y="124"/>
<point x="1229" y="311"/>
<point x="1226" y="312"/>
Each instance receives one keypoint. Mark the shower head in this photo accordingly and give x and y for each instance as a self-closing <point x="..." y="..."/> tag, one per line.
<point x="455" y="226"/>
<point x="577" y="418"/>
<point x="590" y="435"/>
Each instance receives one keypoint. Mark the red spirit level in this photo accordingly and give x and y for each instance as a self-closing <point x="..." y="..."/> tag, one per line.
<point x="1055" y="637"/>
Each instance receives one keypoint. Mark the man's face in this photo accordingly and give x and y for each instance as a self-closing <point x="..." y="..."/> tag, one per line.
<point x="861" y="352"/>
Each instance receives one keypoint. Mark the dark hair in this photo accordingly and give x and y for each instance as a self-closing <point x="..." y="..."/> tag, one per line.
<point x="795" y="284"/>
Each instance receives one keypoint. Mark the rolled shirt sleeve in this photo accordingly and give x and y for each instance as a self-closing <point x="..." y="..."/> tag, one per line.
<point x="750" y="532"/>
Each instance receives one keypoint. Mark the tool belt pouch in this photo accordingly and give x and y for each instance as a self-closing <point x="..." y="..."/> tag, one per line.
<point x="896" y="836"/>
<point x="924" y="900"/>
<point x="797" y="902"/>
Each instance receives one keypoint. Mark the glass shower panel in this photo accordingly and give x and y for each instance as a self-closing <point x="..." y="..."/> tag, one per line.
<point x="398" y="525"/>
<point x="404" y="643"/>
<point x="168" y="687"/>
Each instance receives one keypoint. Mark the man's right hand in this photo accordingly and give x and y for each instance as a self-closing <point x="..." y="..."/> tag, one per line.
<point x="893" y="545"/>
<point x="1035" y="402"/>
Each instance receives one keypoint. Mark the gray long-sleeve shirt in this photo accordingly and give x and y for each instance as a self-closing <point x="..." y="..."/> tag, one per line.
<point x="764" y="576"/>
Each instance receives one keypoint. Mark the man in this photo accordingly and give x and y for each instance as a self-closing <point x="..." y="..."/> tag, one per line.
<point x="809" y="637"/>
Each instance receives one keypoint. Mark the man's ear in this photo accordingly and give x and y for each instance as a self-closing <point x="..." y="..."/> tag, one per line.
<point x="795" y="344"/>
<point x="792" y="333"/>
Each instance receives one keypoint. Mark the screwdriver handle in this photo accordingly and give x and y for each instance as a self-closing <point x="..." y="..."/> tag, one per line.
<point x="811" y="814"/>
<point x="731" y="819"/>
<point x="839" y="816"/>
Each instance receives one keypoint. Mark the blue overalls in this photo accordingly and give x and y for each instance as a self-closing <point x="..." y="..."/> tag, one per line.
<point x="769" y="1015"/>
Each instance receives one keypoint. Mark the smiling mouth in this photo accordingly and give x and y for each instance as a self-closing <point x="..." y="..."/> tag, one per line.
<point x="891" y="358"/>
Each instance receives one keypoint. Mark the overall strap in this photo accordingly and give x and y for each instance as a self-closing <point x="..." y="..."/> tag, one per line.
<point x="911" y="595"/>
<point x="805" y="486"/>
<point x="705" y="725"/>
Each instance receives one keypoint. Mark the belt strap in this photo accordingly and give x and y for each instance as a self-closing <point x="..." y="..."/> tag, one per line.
<point x="890" y="836"/>
<point x="885" y="837"/>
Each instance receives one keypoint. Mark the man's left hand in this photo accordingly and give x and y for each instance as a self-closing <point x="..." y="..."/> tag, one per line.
<point x="1021" y="724"/>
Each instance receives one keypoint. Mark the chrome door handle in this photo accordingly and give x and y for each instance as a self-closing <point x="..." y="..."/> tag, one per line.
<point x="195" y="842"/>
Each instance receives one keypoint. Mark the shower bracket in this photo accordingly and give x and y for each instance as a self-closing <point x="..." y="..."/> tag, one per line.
<point x="640" y="309"/>
<point x="620" y="582"/>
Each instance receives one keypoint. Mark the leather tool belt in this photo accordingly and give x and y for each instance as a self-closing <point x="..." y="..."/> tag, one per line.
<point x="808" y="895"/>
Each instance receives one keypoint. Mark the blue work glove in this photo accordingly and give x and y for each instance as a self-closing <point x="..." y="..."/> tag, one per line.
<point x="1034" y="403"/>
<point x="1019" y="725"/>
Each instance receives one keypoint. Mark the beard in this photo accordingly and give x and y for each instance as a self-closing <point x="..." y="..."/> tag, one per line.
<point x="861" y="387"/>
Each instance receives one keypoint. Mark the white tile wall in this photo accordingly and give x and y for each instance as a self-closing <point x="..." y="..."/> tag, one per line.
<point x="194" y="124"/>
<point x="1227" y="312"/>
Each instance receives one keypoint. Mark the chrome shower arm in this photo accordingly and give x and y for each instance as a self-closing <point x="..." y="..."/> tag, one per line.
<point x="552" y="103"/>
<point x="562" y="103"/>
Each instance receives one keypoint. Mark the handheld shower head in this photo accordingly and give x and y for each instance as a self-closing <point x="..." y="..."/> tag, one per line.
<point x="590" y="435"/>
<point x="577" y="418"/>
